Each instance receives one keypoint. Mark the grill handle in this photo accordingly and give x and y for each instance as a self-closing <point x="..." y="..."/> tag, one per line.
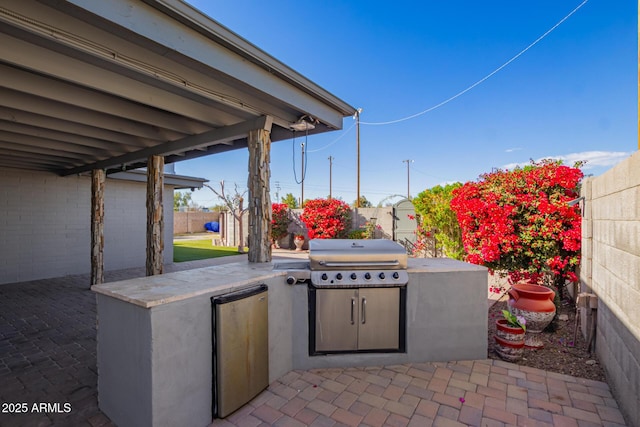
<point x="353" y="306"/>
<point x="347" y="264"/>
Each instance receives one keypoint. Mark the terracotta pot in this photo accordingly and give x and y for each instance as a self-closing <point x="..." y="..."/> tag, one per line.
<point x="535" y="304"/>
<point x="508" y="350"/>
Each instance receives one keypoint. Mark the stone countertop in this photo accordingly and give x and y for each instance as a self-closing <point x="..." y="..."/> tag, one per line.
<point x="440" y="265"/>
<point x="162" y="289"/>
<point x="153" y="291"/>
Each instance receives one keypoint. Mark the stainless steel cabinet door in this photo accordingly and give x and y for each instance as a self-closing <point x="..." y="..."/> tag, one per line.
<point x="336" y="319"/>
<point x="379" y="316"/>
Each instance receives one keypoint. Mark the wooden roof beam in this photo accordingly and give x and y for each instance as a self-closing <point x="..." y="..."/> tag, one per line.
<point x="192" y="142"/>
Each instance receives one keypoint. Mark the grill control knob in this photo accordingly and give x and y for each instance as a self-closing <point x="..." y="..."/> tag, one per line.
<point x="381" y="276"/>
<point x="339" y="276"/>
<point x="324" y="276"/>
<point x="367" y="276"/>
<point x="395" y="275"/>
<point x="291" y="280"/>
<point x="353" y="276"/>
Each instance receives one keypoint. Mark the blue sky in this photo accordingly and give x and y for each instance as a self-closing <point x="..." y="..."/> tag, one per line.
<point x="572" y="96"/>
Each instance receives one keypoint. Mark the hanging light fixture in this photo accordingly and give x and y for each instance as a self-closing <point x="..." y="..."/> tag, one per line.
<point x="304" y="123"/>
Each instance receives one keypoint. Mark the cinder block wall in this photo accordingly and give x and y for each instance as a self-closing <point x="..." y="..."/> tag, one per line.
<point x="192" y="222"/>
<point x="611" y="269"/>
<point x="45" y="224"/>
<point x="125" y="225"/>
<point x="383" y="217"/>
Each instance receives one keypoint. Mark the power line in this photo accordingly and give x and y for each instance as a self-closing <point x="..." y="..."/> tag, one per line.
<point x="482" y="80"/>
<point x="286" y="186"/>
<point x="334" y="141"/>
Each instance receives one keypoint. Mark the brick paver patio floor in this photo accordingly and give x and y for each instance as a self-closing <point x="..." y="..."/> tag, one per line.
<point x="48" y="355"/>
<point x="474" y="393"/>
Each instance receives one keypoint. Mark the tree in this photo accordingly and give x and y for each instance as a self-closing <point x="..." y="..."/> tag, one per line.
<point x="437" y="223"/>
<point x="234" y="204"/>
<point x="520" y="221"/>
<point x="290" y="201"/>
<point x="181" y="199"/>
<point x="364" y="203"/>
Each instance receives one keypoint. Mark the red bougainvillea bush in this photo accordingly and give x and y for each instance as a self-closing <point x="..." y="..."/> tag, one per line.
<point x="326" y="218"/>
<point x="279" y="220"/>
<point x="519" y="221"/>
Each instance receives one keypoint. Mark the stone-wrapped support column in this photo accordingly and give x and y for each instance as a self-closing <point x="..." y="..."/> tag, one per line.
<point x="155" y="217"/>
<point x="98" y="178"/>
<point x="259" y="196"/>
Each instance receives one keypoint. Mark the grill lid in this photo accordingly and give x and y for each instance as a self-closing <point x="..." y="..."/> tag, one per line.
<point x="340" y="254"/>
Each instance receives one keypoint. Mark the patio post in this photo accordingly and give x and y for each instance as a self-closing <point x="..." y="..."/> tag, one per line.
<point x="259" y="142"/>
<point x="155" y="217"/>
<point x="98" y="177"/>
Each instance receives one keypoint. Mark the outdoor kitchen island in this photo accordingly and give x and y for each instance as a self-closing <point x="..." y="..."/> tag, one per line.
<point x="154" y="334"/>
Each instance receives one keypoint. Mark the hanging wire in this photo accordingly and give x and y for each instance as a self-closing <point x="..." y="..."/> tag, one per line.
<point x="342" y="135"/>
<point x="482" y="80"/>
<point x="293" y="157"/>
<point x="304" y="160"/>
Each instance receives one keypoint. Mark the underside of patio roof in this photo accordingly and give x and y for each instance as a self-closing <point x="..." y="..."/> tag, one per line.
<point x="91" y="84"/>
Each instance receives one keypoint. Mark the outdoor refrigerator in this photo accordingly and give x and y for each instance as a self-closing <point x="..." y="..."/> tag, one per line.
<point x="240" y="348"/>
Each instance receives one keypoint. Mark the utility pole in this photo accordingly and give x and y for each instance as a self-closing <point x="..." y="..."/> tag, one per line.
<point x="302" y="179"/>
<point x="408" y="162"/>
<point x="330" y="166"/>
<point x="277" y="191"/>
<point x="357" y="116"/>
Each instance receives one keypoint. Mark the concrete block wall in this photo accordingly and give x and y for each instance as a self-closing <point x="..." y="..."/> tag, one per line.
<point x="40" y="225"/>
<point x="125" y="227"/>
<point x="45" y="225"/>
<point x="231" y="232"/>
<point x="383" y="217"/>
<point x="611" y="269"/>
<point x="192" y="222"/>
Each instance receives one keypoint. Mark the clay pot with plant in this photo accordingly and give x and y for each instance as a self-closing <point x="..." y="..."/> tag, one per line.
<point x="510" y="334"/>
<point x="534" y="303"/>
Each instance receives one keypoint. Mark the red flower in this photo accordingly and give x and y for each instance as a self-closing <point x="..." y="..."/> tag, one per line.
<point x="520" y="221"/>
<point x="326" y="218"/>
<point x="279" y="220"/>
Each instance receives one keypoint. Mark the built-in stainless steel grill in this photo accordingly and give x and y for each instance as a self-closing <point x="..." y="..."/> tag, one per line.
<point x="357" y="293"/>
<point x="344" y="263"/>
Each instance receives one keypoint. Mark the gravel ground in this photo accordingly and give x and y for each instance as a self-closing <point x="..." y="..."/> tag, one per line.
<point x="560" y="353"/>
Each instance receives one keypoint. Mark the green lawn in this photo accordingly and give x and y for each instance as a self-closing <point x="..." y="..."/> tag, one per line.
<point x="190" y="250"/>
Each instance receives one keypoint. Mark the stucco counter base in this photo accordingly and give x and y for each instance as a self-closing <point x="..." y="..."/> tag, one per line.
<point x="154" y="334"/>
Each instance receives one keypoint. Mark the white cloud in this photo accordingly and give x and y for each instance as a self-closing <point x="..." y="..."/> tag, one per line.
<point x="593" y="159"/>
<point x="511" y="150"/>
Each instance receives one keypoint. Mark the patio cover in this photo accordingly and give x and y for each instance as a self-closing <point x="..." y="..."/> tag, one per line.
<point x="88" y="84"/>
